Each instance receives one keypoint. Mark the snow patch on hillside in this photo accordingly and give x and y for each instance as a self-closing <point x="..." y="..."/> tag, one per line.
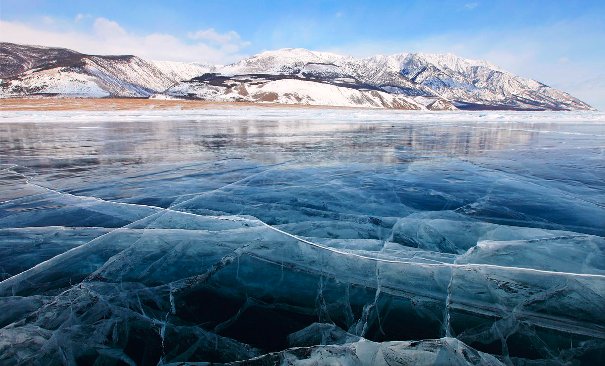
<point x="295" y="91"/>
<point x="55" y="81"/>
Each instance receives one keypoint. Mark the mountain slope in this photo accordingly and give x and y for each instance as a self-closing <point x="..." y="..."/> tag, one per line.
<point x="480" y="85"/>
<point x="32" y="70"/>
<point x="265" y="88"/>
<point x="16" y="59"/>
<point x="291" y="76"/>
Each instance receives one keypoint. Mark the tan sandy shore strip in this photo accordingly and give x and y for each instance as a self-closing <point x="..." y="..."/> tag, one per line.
<point x="123" y="104"/>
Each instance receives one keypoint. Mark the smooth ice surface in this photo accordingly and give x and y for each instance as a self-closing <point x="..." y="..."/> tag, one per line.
<point x="298" y="236"/>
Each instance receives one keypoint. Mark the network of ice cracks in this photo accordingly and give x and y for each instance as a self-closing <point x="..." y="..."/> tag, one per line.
<point x="232" y="261"/>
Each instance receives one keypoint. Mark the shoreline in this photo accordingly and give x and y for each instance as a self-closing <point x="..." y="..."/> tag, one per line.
<point x="49" y="104"/>
<point x="135" y="104"/>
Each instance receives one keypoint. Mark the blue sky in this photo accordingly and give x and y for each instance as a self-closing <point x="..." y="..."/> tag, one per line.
<point x="561" y="43"/>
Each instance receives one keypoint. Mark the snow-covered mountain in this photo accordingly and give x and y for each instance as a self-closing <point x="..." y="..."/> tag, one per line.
<point x="299" y="76"/>
<point x="32" y="70"/>
<point x="291" y="76"/>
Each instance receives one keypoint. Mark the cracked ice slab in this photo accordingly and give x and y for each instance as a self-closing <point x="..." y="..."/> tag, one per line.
<point x="300" y="236"/>
<point x="284" y="275"/>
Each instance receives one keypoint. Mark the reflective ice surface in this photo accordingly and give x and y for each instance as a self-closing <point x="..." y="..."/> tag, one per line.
<point x="162" y="237"/>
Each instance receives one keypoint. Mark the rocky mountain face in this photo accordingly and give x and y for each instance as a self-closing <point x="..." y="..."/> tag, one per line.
<point x="290" y="76"/>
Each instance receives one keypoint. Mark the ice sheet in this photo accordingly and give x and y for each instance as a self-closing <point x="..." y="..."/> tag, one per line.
<point x="351" y="236"/>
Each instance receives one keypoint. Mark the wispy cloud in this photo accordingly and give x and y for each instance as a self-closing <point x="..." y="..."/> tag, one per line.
<point x="215" y="37"/>
<point x="471" y="5"/>
<point x="105" y="36"/>
<point x="81" y="17"/>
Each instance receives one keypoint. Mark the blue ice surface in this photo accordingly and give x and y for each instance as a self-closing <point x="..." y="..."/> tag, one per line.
<point x="217" y="236"/>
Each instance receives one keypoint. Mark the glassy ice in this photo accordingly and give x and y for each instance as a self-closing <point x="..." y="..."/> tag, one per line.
<point x="341" y="236"/>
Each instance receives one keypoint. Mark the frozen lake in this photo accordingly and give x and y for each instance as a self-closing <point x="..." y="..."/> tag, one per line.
<point x="153" y="237"/>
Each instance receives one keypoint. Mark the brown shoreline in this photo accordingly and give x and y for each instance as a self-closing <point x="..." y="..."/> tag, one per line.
<point x="125" y="104"/>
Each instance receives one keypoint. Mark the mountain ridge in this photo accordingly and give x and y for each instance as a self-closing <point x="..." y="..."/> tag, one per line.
<point x="290" y="76"/>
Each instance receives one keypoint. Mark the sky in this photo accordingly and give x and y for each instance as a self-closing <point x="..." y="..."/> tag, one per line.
<point x="558" y="42"/>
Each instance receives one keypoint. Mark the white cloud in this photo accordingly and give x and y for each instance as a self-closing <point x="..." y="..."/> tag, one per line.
<point x="106" y="28"/>
<point x="48" y="21"/>
<point x="228" y="42"/>
<point x="471" y="6"/>
<point x="215" y="37"/>
<point x="105" y="36"/>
